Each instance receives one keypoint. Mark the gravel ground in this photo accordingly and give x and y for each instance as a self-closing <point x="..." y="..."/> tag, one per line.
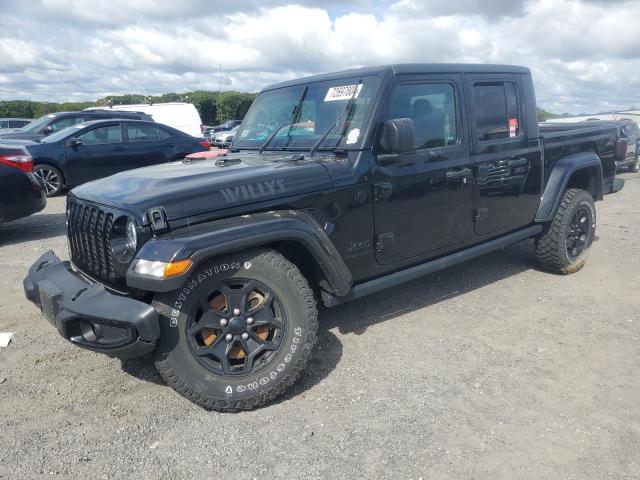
<point x="491" y="369"/>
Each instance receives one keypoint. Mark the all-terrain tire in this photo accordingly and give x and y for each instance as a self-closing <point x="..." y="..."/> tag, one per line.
<point x="185" y="372"/>
<point x="552" y="248"/>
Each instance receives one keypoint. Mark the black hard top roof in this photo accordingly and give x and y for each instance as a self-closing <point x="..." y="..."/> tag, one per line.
<point x="406" y="68"/>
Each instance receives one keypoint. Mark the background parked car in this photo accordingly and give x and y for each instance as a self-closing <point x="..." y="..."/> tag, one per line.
<point x="631" y="131"/>
<point x="13" y="123"/>
<point x="228" y="125"/>
<point x="223" y="127"/>
<point x="96" y="149"/>
<point x="54" y="122"/>
<point x="179" y="115"/>
<point x="207" y="130"/>
<point x="21" y="194"/>
<point x="224" y="139"/>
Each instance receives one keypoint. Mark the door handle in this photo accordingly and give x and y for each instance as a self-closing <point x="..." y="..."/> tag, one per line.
<point x="119" y="149"/>
<point x="168" y="145"/>
<point x="455" y="174"/>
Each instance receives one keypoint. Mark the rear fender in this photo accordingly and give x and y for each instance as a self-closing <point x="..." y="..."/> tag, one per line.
<point x="584" y="167"/>
<point x="220" y="237"/>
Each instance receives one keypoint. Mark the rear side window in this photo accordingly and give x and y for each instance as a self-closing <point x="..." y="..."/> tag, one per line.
<point x="145" y="133"/>
<point x="432" y="108"/>
<point x="4" y="124"/>
<point x="17" y="123"/>
<point x="101" y="135"/>
<point x="496" y="111"/>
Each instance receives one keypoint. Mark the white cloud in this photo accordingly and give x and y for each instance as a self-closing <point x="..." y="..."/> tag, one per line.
<point x="585" y="55"/>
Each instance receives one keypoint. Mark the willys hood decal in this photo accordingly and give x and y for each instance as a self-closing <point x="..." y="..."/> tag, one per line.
<point x="189" y="188"/>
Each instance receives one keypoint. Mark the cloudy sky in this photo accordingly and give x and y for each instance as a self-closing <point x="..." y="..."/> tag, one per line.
<point x="584" y="54"/>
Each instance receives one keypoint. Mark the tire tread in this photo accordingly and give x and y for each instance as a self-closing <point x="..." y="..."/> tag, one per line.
<point x="550" y="246"/>
<point x="294" y="275"/>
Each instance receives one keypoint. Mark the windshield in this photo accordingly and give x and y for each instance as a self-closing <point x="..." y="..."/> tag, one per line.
<point x="37" y="124"/>
<point x="322" y="107"/>
<point x="61" y="134"/>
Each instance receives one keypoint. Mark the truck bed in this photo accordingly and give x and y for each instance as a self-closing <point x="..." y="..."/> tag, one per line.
<point x="560" y="140"/>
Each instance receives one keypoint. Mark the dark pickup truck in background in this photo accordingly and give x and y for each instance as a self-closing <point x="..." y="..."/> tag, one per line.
<point x="337" y="186"/>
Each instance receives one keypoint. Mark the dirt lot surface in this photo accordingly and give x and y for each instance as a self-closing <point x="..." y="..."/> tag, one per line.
<point x="491" y="369"/>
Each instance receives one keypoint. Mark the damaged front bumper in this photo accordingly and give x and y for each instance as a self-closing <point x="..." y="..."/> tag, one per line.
<point x="87" y="314"/>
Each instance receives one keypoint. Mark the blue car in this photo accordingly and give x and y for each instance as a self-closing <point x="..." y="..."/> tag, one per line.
<point x="96" y="149"/>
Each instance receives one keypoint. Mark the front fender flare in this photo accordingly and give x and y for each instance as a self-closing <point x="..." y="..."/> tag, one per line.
<point x="559" y="178"/>
<point x="220" y="237"/>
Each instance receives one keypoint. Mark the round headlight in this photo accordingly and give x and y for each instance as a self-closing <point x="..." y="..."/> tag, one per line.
<point x="124" y="239"/>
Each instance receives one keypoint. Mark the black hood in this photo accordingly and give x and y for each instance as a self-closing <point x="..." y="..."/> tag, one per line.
<point x="189" y="188"/>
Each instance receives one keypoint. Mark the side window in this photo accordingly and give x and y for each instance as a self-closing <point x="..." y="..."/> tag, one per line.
<point x="65" y="122"/>
<point x="432" y="107"/>
<point x="4" y="124"/>
<point x="16" y="124"/>
<point x="101" y="135"/>
<point x="143" y="133"/>
<point x="496" y="111"/>
<point x="162" y="134"/>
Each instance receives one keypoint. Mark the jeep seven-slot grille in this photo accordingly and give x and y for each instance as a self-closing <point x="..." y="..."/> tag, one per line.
<point x="89" y="230"/>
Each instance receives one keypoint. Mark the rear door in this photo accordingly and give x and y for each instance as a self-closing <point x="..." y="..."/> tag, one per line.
<point x="101" y="153"/>
<point x="423" y="197"/>
<point x="503" y="159"/>
<point x="148" y="144"/>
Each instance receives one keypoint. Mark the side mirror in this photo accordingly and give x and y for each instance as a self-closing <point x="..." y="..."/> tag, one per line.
<point x="398" y="135"/>
<point x="47" y="130"/>
<point x="74" y="142"/>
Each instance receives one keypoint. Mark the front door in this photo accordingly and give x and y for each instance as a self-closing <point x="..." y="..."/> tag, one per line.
<point x="423" y="198"/>
<point x="100" y="153"/>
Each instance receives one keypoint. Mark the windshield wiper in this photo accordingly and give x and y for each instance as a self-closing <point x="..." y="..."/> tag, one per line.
<point x="290" y="119"/>
<point x="346" y="113"/>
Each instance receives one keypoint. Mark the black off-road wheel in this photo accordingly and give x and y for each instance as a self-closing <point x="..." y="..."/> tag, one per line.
<point x="564" y="247"/>
<point x="239" y="332"/>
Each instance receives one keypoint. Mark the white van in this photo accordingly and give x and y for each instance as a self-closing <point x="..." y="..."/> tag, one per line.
<point x="179" y="115"/>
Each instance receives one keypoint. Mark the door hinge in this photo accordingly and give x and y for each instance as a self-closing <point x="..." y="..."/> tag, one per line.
<point x="381" y="191"/>
<point x="158" y="219"/>
<point x="384" y="239"/>
<point x="480" y="214"/>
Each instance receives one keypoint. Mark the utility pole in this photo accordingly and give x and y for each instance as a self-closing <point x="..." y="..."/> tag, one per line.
<point x="220" y="95"/>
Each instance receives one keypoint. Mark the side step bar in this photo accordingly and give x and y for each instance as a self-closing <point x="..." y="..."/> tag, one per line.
<point x="411" y="273"/>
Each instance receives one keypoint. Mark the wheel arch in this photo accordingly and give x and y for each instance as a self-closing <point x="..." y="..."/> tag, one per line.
<point x="582" y="170"/>
<point x="293" y="234"/>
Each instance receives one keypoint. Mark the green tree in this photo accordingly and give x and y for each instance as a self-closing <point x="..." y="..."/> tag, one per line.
<point x="213" y="107"/>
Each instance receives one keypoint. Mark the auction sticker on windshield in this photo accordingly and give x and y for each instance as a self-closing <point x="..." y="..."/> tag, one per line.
<point x="345" y="92"/>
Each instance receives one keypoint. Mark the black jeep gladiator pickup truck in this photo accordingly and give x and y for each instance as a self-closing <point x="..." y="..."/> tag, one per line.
<point x="337" y="186"/>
